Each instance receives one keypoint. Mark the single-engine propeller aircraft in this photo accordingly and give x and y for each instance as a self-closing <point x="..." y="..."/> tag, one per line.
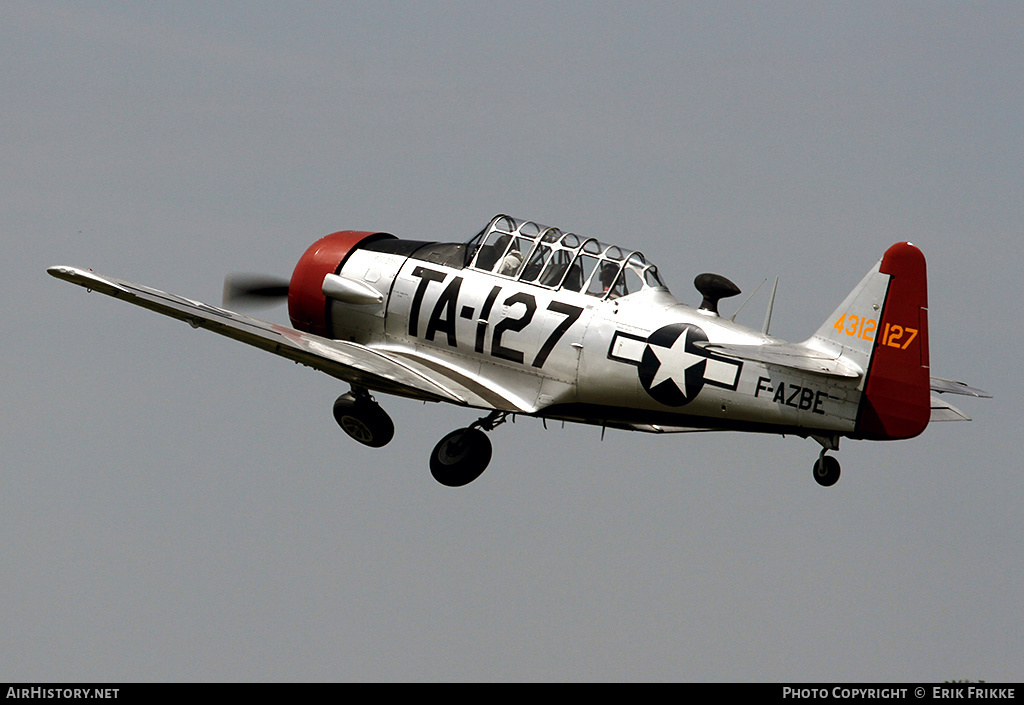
<point x="527" y="319"/>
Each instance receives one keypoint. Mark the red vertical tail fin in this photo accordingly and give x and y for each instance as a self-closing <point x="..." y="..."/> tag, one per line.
<point x="896" y="401"/>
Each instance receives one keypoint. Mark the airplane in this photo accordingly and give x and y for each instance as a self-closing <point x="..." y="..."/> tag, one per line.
<point x="525" y="319"/>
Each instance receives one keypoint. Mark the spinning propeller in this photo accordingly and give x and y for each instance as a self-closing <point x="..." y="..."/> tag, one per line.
<point x="253" y="290"/>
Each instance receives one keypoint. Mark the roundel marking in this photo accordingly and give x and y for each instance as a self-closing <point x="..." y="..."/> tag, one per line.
<point x="672" y="366"/>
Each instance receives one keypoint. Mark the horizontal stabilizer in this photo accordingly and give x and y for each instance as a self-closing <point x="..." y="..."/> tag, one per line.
<point x="949" y="386"/>
<point x="944" y="411"/>
<point x="795" y="356"/>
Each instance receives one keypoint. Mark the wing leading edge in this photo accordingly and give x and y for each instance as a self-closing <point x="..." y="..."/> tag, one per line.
<point x="351" y="362"/>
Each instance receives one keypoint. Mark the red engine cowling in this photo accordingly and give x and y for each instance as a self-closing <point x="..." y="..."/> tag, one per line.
<point x="307" y="306"/>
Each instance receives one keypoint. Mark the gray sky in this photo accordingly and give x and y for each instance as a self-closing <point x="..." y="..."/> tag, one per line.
<point x="176" y="506"/>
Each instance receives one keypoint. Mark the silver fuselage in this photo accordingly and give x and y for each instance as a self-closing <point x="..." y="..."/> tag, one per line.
<point x="570" y="355"/>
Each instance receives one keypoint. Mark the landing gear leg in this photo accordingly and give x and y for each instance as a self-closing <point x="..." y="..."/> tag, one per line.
<point x="826" y="468"/>
<point x="462" y="455"/>
<point x="362" y="418"/>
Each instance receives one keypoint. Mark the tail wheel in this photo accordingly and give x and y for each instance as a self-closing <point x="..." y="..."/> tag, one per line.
<point x="363" y="420"/>
<point x="826" y="471"/>
<point x="460" y="457"/>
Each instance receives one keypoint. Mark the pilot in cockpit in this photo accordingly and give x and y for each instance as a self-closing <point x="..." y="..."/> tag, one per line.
<point x="511" y="263"/>
<point x="608" y="272"/>
<point x="490" y="252"/>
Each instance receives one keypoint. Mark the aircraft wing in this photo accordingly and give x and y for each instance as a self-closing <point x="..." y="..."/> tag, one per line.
<point x="351" y="362"/>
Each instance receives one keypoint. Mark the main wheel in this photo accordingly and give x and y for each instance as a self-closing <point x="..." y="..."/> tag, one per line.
<point x="460" y="457"/>
<point x="364" y="420"/>
<point x="826" y="471"/>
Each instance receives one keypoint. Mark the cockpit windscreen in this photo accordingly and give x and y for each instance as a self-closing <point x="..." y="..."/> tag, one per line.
<point x="545" y="256"/>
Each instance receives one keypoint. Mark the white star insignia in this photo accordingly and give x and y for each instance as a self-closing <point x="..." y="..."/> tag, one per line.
<point x="674" y="362"/>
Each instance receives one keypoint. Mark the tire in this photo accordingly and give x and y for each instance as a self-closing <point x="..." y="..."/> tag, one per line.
<point x="826" y="471"/>
<point x="364" y="421"/>
<point x="460" y="457"/>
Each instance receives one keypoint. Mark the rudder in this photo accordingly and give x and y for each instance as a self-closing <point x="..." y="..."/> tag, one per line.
<point x="896" y="401"/>
<point x="882" y="328"/>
